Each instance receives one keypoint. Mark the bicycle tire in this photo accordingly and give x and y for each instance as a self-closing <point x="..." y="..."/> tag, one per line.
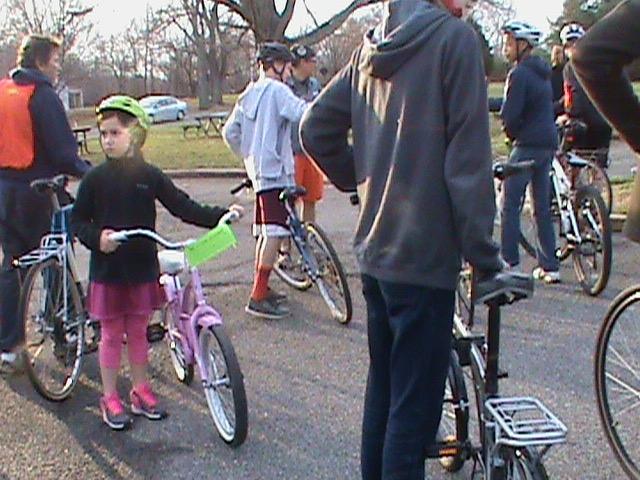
<point x="182" y="369"/>
<point x="588" y="198"/>
<point x="68" y="336"/>
<point x="455" y="414"/>
<point x="612" y="424"/>
<point x="232" y="431"/>
<point x="332" y="268"/>
<point x="523" y="464"/>
<point x="594" y="175"/>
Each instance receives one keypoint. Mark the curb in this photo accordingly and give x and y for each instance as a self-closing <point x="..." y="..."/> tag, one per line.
<point x="617" y="221"/>
<point x="207" y="173"/>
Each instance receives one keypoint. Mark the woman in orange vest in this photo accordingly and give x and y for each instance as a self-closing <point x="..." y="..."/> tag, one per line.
<point x="36" y="141"/>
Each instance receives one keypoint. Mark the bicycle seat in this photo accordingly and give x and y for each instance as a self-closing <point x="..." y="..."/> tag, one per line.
<point x="506" y="169"/>
<point x="575" y="161"/>
<point x="291" y="193"/>
<point x="503" y="288"/>
<point x="171" y="262"/>
<point x="55" y="184"/>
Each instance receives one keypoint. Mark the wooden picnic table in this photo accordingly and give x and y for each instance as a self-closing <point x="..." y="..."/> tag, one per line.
<point x="81" y="138"/>
<point x="210" y="123"/>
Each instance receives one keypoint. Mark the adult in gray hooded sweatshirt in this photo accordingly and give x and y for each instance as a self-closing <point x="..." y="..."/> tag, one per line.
<point x="414" y="96"/>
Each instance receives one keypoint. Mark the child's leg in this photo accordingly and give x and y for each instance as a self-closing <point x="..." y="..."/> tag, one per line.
<point x="137" y="347"/>
<point x="143" y="400"/>
<point x="109" y="352"/>
<point x="266" y="254"/>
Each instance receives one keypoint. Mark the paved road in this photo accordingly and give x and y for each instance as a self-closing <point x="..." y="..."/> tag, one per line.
<point x="305" y="378"/>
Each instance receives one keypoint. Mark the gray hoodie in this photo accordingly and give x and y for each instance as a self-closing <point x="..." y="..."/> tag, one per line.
<point x="259" y="131"/>
<point x="414" y="95"/>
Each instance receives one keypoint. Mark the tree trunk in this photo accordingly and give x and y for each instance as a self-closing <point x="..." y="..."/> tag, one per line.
<point x="204" y="98"/>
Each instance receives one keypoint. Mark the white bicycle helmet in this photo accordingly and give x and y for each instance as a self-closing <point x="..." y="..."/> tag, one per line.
<point x="523" y="31"/>
<point x="571" y="31"/>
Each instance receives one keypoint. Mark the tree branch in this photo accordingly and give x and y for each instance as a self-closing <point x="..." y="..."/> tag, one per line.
<point x="331" y="25"/>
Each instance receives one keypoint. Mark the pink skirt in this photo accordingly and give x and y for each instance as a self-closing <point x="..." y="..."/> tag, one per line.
<point x="111" y="300"/>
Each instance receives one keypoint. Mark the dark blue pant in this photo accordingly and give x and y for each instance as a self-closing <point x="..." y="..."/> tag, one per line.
<point x="409" y="329"/>
<point x="514" y="190"/>
<point x="24" y="217"/>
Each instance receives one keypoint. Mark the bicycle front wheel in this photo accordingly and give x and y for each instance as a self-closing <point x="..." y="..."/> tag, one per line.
<point x="332" y="280"/>
<point x="464" y="307"/>
<point x="523" y="464"/>
<point x="224" y="385"/>
<point x="616" y="378"/>
<point x="54" y="319"/>
<point x="454" y="423"/>
<point x="592" y="256"/>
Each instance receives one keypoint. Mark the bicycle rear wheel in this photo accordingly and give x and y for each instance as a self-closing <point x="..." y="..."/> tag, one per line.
<point x="523" y="464"/>
<point x="291" y="269"/>
<point x="332" y="280"/>
<point x="595" y="176"/>
<point x="617" y="382"/>
<point x="54" y="320"/>
<point x="454" y="423"/>
<point x="592" y="256"/>
<point x="224" y="386"/>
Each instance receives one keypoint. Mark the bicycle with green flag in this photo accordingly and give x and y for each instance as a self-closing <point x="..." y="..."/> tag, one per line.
<point x="195" y="332"/>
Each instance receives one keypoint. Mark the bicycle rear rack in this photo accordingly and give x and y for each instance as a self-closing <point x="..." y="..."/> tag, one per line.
<point x="51" y="245"/>
<point x="525" y="421"/>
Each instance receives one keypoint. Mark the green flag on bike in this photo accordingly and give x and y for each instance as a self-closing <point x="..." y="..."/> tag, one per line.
<point x="210" y="245"/>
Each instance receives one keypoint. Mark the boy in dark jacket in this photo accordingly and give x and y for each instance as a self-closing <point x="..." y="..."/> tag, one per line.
<point x="599" y="60"/>
<point x="527" y="116"/>
<point x="35" y="142"/>
<point x="415" y="97"/>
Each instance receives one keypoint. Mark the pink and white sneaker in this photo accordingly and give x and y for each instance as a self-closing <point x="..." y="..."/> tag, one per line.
<point x="113" y="412"/>
<point x="144" y="402"/>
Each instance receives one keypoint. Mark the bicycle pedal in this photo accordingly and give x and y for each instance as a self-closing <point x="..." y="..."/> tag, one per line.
<point x="155" y="332"/>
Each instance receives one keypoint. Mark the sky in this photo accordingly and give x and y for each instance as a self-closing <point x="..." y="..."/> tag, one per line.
<point x="112" y="16"/>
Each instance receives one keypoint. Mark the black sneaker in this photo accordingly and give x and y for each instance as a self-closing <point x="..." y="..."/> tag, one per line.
<point x="265" y="309"/>
<point x="275" y="296"/>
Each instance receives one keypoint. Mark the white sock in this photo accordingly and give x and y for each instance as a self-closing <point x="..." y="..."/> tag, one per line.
<point x="8" y="357"/>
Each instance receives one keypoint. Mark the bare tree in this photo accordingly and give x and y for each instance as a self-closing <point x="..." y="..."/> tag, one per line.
<point x="267" y="23"/>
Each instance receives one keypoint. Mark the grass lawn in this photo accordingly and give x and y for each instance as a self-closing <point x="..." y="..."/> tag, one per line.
<point x="168" y="149"/>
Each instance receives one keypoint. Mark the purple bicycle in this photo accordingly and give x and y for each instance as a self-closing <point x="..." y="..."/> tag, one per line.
<point x="195" y="335"/>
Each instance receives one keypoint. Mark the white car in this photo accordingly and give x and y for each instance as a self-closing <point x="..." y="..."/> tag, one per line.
<point x="162" y="108"/>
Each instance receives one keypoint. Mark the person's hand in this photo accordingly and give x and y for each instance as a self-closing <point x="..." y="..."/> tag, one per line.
<point x="239" y="209"/>
<point x="106" y="244"/>
<point x="562" y="120"/>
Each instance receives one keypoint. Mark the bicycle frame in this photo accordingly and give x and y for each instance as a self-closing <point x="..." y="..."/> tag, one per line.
<point x="299" y="236"/>
<point x="190" y="321"/>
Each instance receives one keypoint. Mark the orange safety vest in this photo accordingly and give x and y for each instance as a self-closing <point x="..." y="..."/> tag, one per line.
<point x="16" y="129"/>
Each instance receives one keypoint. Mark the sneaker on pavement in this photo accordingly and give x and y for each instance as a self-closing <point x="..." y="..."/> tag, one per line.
<point x="113" y="413"/>
<point x="546" y="276"/>
<point x="265" y="309"/>
<point x="144" y="402"/>
<point x="11" y="363"/>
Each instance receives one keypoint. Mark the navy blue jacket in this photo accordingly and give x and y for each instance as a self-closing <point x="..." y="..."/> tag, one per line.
<point x="527" y="111"/>
<point x="56" y="149"/>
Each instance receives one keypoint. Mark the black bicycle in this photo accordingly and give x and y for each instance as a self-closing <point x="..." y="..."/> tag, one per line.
<point x="311" y="258"/>
<point x="617" y="378"/>
<point x="514" y="432"/>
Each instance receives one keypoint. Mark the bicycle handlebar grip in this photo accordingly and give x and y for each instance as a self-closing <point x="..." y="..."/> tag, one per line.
<point x="230" y="217"/>
<point x="245" y="184"/>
